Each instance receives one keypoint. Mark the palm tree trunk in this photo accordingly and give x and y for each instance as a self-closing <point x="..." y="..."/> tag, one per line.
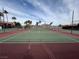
<point x="7" y="20"/>
<point x="3" y="24"/>
<point x="0" y="18"/>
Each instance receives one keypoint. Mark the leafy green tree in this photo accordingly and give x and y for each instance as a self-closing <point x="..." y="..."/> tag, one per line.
<point x="17" y="24"/>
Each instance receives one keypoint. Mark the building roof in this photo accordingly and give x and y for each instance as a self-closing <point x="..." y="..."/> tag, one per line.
<point x="1" y="23"/>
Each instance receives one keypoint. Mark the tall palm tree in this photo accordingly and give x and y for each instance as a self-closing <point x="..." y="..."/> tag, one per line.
<point x="6" y="13"/>
<point x="1" y="14"/>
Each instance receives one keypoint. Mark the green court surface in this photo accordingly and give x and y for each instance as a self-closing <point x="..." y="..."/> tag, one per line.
<point x="39" y="35"/>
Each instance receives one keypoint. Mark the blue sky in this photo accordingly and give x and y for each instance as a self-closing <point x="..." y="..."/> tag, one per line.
<point x="56" y="11"/>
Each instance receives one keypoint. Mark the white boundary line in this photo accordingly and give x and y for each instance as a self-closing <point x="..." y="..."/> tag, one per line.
<point x="39" y="42"/>
<point x="8" y="38"/>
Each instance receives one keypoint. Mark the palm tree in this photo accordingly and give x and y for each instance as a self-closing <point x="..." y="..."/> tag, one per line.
<point x="28" y="23"/>
<point x="37" y="23"/>
<point x="6" y="13"/>
<point x="51" y="23"/>
<point x="14" y="18"/>
<point x="1" y="14"/>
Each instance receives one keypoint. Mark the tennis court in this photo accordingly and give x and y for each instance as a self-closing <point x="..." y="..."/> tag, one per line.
<point x="39" y="35"/>
<point x="39" y="43"/>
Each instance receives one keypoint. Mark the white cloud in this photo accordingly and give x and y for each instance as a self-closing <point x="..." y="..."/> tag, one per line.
<point x="14" y="11"/>
<point x="60" y="16"/>
<point x="73" y="5"/>
<point x="45" y="8"/>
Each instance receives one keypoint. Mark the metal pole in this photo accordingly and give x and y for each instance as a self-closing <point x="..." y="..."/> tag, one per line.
<point x="72" y="22"/>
